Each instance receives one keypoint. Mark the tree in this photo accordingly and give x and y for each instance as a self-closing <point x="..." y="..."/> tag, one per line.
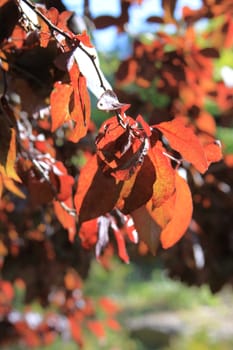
<point x="80" y="189"/>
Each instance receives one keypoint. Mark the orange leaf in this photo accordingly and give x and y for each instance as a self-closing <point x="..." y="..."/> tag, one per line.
<point x="3" y="61"/>
<point x="96" y="193"/>
<point x="7" y="289"/>
<point x="75" y="330"/>
<point x="97" y="328"/>
<point x="183" y="140"/>
<point x="182" y="214"/>
<point x="122" y="252"/>
<point x="10" y="186"/>
<point x="205" y="122"/>
<point x="67" y="221"/>
<point x="8" y="141"/>
<point x="45" y="34"/>
<point x="113" y="324"/>
<point x="213" y="152"/>
<point x="164" y="184"/>
<point x="60" y="100"/>
<point x="84" y="38"/>
<point x="81" y="111"/>
<point x="88" y="233"/>
<point x="109" y="306"/>
<point x="11" y="157"/>
<point x="122" y="149"/>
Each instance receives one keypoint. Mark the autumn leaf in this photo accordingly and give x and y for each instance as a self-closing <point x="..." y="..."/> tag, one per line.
<point x="113" y="324"/>
<point x="213" y="152"/>
<point x="60" y="102"/>
<point x="8" y="152"/>
<point x="11" y="158"/>
<point x="3" y="61"/>
<point x="147" y="228"/>
<point x="45" y="33"/>
<point x="80" y="113"/>
<point x="96" y="191"/>
<point x="97" y="328"/>
<point x="122" y="149"/>
<point x="183" y="140"/>
<point x="205" y="122"/>
<point x="84" y="38"/>
<point x="164" y="184"/>
<point x="88" y="233"/>
<point x="179" y="207"/>
<point x="109" y="306"/>
<point x="68" y="221"/>
<point x="61" y="181"/>
<point x="75" y="329"/>
<point x="9" y="184"/>
<point x="8" y="140"/>
<point x="122" y="252"/>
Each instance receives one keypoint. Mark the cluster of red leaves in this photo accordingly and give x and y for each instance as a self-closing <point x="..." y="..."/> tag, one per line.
<point x="175" y="75"/>
<point x="115" y="177"/>
<point x="125" y="153"/>
<point x="129" y="170"/>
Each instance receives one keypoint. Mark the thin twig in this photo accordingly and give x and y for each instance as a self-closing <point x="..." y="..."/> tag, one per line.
<point x="69" y="38"/>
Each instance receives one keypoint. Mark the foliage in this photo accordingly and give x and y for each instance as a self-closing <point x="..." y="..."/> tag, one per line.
<point x="79" y="189"/>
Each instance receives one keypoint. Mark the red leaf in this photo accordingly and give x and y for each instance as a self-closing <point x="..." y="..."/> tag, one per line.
<point x="135" y="192"/>
<point x="205" y="122"/>
<point x="164" y="185"/>
<point x="81" y="111"/>
<point x="183" y="140"/>
<point x="61" y="181"/>
<point x="7" y="290"/>
<point x="84" y="38"/>
<point x="68" y="221"/>
<point x="121" y="149"/>
<point x="122" y="252"/>
<point x="75" y="330"/>
<point x="97" y="328"/>
<point x="60" y="100"/>
<point x="213" y="152"/>
<point x="109" y="306"/>
<point x="181" y="214"/>
<point x="88" y="233"/>
<point x="113" y="324"/>
<point x="95" y="191"/>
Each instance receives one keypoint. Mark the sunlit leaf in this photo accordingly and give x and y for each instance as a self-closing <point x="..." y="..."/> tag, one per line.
<point x="84" y="38"/>
<point x="60" y="103"/>
<point x="181" y="213"/>
<point x="164" y="185"/>
<point x="96" y="191"/>
<point x="11" y="157"/>
<point x="183" y="140"/>
<point x="80" y="113"/>
<point x="68" y="221"/>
